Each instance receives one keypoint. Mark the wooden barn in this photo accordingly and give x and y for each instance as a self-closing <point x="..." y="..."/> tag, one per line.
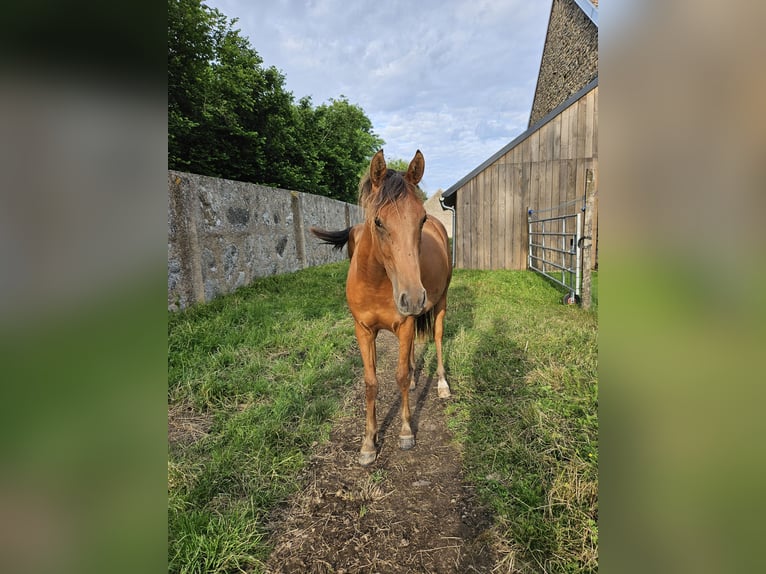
<point x="550" y="167"/>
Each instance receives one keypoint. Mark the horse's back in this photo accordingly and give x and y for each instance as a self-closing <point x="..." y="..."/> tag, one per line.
<point x="435" y="260"/>
<point x="438" y="226"/>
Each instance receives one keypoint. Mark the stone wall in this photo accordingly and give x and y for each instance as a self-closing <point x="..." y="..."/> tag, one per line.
<point x="222" y="234"/>
<point x="570" y="58"/>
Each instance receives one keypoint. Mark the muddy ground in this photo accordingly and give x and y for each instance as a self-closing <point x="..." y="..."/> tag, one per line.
<point x="409" y="511"/>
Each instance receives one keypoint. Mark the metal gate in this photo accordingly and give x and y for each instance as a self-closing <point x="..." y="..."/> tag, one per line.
<point x="555" y="246"/>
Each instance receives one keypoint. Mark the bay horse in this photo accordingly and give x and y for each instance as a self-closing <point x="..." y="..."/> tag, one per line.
<point x="397" y="280"/>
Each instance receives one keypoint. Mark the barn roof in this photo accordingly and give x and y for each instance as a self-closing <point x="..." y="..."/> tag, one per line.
<point x="449" y="193"/>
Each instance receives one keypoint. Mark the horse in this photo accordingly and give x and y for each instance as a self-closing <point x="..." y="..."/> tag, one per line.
<point x="399" y="272"/>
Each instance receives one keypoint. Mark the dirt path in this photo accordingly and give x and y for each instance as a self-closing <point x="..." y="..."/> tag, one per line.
<point x="407" y="512"/>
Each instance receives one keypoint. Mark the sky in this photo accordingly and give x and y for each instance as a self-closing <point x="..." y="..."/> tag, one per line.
<point x="453" y="78"/>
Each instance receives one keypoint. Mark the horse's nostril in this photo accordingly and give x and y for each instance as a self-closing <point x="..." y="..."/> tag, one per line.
<point x="403" y="301"/>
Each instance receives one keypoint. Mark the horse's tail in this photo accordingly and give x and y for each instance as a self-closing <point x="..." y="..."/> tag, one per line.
<point x="335" y="238"/>
<point x="424" y="325"/>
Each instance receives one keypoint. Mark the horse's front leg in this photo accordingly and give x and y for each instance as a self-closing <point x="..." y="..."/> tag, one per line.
<point x="366" y="339"/>
<point x="404" y="373"/>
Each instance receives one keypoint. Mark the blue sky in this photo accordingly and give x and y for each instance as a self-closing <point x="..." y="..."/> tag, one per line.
<point x="452" y="78"/>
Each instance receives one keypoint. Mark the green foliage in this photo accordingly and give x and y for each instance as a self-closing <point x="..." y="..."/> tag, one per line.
<point x="231" y="117"/>
<point x="397" y="164"/>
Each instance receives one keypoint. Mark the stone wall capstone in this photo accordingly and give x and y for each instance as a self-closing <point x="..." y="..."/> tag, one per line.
<point x="223" y="234"/>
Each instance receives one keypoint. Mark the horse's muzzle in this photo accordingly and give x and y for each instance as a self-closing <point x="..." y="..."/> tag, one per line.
<point x="411" y="304"/>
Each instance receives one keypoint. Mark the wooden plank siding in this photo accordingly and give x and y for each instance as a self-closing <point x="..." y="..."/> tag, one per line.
<point x="499" y="240"/>
<point x="545" y="168"/>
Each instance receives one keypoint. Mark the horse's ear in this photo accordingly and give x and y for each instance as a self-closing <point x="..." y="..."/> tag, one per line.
<point x="416" y="169"/>
<point x="377" y="168"/>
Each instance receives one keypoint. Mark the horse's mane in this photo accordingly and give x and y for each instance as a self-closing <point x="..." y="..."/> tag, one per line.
<point x="394" y="186"/>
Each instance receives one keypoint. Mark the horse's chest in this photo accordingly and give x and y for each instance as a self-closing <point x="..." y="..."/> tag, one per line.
<point x="373" y="304"/>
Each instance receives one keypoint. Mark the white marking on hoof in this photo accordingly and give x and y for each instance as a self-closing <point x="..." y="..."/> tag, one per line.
<point x="443" y="389"/>
<point x="406" y="442"/>
<point x="412" y="383"/>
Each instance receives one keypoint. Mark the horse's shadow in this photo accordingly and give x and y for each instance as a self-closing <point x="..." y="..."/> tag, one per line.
<point x="420" y="395"/>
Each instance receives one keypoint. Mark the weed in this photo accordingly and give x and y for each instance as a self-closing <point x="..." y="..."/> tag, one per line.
<point x="378" y="476"/>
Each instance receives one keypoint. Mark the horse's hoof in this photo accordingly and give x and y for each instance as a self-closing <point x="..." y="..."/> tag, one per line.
<point x="444" y="390"/>
<point x="366" y="458"/>
<point x="406" y="442"/>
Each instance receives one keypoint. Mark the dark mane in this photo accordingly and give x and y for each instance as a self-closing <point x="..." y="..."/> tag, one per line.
<point x="394" y="186"/>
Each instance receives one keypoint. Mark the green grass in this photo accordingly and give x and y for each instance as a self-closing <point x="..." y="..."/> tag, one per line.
<point x="522" y="368"/>
<point x="257" y="376"/>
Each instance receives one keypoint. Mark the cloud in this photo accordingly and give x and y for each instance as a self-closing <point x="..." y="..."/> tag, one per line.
<point x="454" y="79"/>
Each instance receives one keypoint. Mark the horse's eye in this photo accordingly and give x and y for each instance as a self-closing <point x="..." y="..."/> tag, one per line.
<point x="422" y="223"/>
<point x="378" y="223"/>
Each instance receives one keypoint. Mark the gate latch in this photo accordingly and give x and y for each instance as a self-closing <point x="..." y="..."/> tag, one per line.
<point x="580" y="241"/>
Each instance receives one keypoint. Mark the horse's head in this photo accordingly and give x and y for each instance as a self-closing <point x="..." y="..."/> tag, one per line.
<point x="396" y="217"/>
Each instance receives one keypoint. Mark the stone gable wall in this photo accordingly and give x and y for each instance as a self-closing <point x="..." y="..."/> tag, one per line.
<point x="433" y="207"/>
<point x="570" y="58"/>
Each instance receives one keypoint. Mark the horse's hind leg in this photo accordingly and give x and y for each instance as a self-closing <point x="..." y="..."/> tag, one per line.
<point x="412" y="364"/>
<point x="441" y="310"/>
<point x="366" y="339"/>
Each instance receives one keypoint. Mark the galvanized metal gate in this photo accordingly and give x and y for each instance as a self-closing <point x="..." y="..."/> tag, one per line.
<point x="555" y="245"/>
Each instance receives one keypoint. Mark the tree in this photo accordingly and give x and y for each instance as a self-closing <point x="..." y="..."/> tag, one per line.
<point x="229" y="116"/>
<point x="190" y="49"/>
<point x="218" y="96"/>
<point x="345" y="145"/>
